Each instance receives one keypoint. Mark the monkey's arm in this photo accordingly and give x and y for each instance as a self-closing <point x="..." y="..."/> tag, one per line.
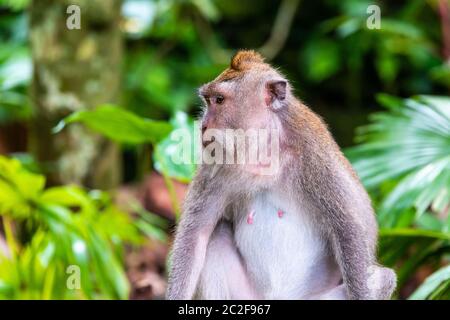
<point x="346" y="211"/>
<point x="201" y="211"/>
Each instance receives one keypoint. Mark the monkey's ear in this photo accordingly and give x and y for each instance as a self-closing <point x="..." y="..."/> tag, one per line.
<point x="276" y="93"/>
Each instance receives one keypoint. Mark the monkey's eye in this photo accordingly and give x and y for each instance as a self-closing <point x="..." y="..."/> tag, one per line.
<point x="219" y="99"/>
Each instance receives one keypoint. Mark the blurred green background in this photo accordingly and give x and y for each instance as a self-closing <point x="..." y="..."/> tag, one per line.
<point x="89" y="195"/>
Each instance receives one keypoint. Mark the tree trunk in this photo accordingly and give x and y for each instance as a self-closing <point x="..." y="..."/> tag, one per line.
<point x="74" y="70"/>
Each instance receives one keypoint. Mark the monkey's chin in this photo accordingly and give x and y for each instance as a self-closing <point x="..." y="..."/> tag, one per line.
<point x="261" y="170"/>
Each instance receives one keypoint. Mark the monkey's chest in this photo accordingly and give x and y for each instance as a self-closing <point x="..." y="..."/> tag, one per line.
<point x="284" y="252"/>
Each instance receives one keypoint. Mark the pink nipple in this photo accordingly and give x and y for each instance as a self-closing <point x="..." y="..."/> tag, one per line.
<point x="250" y="217"/>
<point x="280" y="213"/>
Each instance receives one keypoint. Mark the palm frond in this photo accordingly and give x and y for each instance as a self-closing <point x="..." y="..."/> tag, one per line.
<point x="411" y="144"/>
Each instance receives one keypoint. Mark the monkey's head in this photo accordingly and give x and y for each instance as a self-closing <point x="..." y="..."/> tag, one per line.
<point x="248" y="98"/>
<point x="248" y="94"/>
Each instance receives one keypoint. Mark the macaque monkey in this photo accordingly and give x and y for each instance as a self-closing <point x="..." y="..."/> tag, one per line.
<point x="306" y="231"/>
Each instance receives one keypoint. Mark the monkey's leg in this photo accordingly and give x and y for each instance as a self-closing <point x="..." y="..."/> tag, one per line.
<point x="337" y="293"/>
<point x="223" y="275"/>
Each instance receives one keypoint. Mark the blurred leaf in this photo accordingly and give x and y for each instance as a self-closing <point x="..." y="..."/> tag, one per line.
<point x="441" y="74"/>
<point x="387" y="66"/>
<point x="15" y="4"/>
<point x="119" y="125"/>
<point x="111" y="275"/>
<point x="18" y="188"/>
<point x="14" y="106"/>
<point x="414" y="233"/>
<point x="438" y="280"/>
<point x="399" y="27"/>
<point x="152" y="231"/>
<point x="15" y="71"/>
<point x="321" y="59"/>
<point x="429" y="221"/>
<point x="349" y="27"/>
<point x="68" y="196"/>
<point x="176" y="154"/>
<point x="413" y="248"/>
<point x="207" y="8"/>
<point x="64" y="226"/>
<point x="389" y="101"/>
<point x="410" y="144"/>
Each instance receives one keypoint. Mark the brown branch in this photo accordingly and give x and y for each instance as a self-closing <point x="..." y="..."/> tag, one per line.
<point x="218" y="54"/>
<point x="280" y="30"/>
<point x="444" y="13"/>
<point x="270" y="49"/>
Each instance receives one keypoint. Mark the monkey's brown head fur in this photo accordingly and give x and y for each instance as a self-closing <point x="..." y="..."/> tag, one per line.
<point x="245" y="59"/>
<point x="248" y="94"/>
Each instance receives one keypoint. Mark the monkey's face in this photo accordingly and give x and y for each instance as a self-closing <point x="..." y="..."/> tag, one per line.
<point x="243" y="105"/>
<point x="249" y="100"/>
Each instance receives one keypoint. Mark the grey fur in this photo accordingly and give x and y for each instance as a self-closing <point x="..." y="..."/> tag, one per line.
<point x="316" y="176"/>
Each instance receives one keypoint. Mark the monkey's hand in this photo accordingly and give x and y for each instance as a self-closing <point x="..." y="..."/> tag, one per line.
<point x="186" y="263"/>
<point x="381" y="282"/>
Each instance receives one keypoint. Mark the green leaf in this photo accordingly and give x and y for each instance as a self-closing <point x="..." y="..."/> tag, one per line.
<point x="152" y="231"/>
<point x="410" y="145"/>
<point x="207" y="8"/>
<point x="119" y="125"/>
<point x="419" y="188"/>
<point x="16" y="70"/>
<point x="68" y="196"/>
<point x="429" y="221"/>
<point x="412" y="248"/>
<point x="408" y="232"/>
<point x="387" y="65"/>
<point x="432" y="283"/>
<point x="64" y="226"/>
<point x="389" y="101"/>
<point x="321" y="59"/>
<point x="15" y="4"/>
<point x="110" y="274"/>
<point x="18" y="187"/>
<point x="6" y="289"/>
<point x="175" y="155"/>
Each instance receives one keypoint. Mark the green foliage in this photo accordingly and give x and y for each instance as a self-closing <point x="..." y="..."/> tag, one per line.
<point x="436" y="286"/>
<point x="15" y="4"/>
<point x="60" y="227"/>
<point x="15" y="70"/>
<point x="162" y="79"/>
<point x="321" y="59"/>
<point x="334" y="61"/>
<point x="119" y="125"/>
<point x="400" y="39"/>
<point x="403" y="158"/>
<point x="168" y="155"/>
<point x="409" y="144"/>
<point x="125" y="127"/>
<point x="408" y="249"/>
